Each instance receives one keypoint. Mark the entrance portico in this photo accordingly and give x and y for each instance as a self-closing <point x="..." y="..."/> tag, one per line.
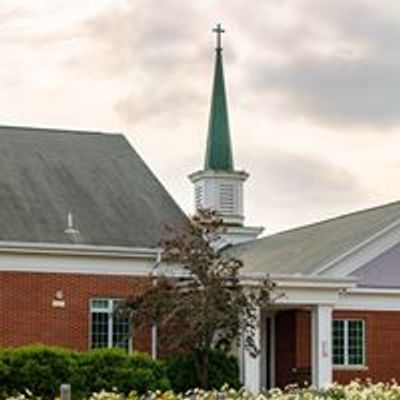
<point x="294" y="337"/>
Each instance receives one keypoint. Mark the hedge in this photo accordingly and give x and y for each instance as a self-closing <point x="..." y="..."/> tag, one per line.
<point x="181" y="371"/>
<point x="41" y="370"/>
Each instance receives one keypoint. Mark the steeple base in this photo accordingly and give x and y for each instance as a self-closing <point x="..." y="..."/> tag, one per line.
<point x="240" y="234"/>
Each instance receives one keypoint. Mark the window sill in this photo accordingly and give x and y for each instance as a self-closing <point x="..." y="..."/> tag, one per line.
<point x="350" y="368"/>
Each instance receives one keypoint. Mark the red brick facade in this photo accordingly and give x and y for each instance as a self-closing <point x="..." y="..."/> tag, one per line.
<point x="382" y="346"/>
<point x="382" y="337"/>
<point x="28" y="316"/>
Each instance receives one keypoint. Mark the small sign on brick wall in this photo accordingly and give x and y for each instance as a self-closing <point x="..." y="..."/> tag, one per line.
<point x="58" y="303"/>
<point x="58" y="300"/>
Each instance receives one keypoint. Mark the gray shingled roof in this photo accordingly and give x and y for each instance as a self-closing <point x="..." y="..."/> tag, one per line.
<point x="383" y="271"/>
<point x="114" y="197"/>
<point x="304" y="249"/>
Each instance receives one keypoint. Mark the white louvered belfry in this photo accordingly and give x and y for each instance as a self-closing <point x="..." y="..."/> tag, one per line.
<point x="221" y="191"/>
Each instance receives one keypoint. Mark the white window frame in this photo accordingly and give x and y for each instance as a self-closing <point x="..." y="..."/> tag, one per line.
<point x="109" y="310"/>
<point x="346" y="343"/>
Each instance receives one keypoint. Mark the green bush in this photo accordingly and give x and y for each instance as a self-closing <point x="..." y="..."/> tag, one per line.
<point x="110" y="369"/>
<point x="41" y="370"/>
<point x="4" y="376"/>
<point x="181" y="371"/>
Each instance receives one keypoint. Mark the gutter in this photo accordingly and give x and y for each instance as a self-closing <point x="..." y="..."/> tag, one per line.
<point x="300" y="281"/>
<point x="375" y="291"/>
<point x="78" y="249"/>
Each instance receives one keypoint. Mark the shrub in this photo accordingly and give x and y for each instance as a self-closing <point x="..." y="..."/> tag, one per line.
<point x="181" y="371"/>
<point x="114" y="369"/>
<point x="41" y="370"/>
<point x="4" y="376"/>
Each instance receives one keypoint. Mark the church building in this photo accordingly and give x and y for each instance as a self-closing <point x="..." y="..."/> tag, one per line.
<point x="81" y="219"/>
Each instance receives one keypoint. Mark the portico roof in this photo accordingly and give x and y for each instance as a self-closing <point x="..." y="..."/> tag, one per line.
<point x="305" y="249"/>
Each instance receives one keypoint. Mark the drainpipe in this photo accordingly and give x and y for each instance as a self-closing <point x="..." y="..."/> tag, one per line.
<point x="153" y="274"/>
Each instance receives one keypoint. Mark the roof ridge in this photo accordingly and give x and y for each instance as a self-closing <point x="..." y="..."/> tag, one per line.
<point x="59" y="130"/>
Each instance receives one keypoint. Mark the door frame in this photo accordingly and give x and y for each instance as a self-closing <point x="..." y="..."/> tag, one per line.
<point x="268" y="353"/>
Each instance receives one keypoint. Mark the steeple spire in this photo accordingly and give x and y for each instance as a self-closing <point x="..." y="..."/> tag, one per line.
<point x="219" y="151"/>
<point x="218" y="186"/>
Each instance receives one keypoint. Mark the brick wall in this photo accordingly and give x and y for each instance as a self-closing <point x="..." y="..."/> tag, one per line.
<point x="293" y="336"/>
<point x="382" y="330"/>
<point x="28" y="316"/>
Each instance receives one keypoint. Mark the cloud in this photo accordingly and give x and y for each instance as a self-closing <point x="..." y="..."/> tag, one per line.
<point x="145" y="67"/>
<point x="294" y="179"/>
<point x="336" y="92"/>
<point x="288" y="190"/>
<point x="336" y="64"/>
<point x="149" y="33"/>
<point x="155" y="50"/>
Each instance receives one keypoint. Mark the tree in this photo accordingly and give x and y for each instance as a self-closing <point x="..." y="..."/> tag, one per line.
<point x="205" y="297"/>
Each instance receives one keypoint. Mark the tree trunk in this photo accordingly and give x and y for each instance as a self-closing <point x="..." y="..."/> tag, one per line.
<point x="202" y="362"/>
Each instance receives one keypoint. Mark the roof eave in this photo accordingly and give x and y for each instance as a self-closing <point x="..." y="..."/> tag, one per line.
<point x="77" y="249"/>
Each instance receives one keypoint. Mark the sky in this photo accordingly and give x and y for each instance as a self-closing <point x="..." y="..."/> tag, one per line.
<point x="313" y="89"/>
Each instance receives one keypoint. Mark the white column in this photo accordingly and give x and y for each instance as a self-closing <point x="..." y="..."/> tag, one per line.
<point x="321" y="345"/>
<point x="252" y="370"/>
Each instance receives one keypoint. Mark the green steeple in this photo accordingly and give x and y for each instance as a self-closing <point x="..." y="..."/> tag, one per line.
<point x="219" y="151"/>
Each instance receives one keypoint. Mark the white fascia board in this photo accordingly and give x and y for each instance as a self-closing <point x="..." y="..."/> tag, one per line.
<point x="77" y="249"/>
<point x="87" y="260"/>
<point x="292" y="290"/>
<point x="305" y="281"/>
<point x="306" y="296"/>
<point x="363" y="252"/>
<point x="375" y="291"/>
<point x="75" y="264"/>
<point x="369" y="299"/>
<point x="77" y="259"/>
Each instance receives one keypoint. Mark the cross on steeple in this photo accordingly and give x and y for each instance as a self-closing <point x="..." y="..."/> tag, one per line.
<point x="219" y="31"/>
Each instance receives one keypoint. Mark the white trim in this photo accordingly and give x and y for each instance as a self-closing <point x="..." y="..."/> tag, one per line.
<point x="369" y="300"/>
<point x="272" y="365"/>
<point x="346" y="364"/>
<point x="239" y="234"/>
<point x="110" y="326"/>
<point x="362" y="252"/>
<point x="252" y="365"/>
<point x="321" y="350"/>
<point x="77" y="249"/>
<point x="298" y="280"/>
<point x="263" y="350"/>
<point x="236" y="175"/>
<point x="375" y="291"/>
<point x="75" y="264"/>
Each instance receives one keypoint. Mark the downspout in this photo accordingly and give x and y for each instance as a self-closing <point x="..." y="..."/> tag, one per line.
<point x="153" y="274"/>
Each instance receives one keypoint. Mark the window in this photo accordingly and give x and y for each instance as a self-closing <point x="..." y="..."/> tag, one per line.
<point x="108" y="328"/>
<point x="348" y="342"/>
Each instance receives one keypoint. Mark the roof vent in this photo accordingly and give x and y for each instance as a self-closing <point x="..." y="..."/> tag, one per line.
<point x="71" y="231"/>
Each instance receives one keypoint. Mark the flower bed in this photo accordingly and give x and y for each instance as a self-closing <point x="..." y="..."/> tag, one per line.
<point x="354" y="391"/>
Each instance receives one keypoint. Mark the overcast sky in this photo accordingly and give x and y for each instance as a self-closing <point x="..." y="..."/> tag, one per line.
<point x="313" y="89"/>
